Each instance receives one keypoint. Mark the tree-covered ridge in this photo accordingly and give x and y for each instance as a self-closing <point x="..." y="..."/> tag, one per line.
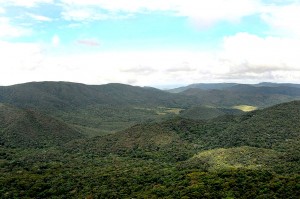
<point x="54" y="174"/>
<point x="245" y="95"/>
<point x="250" y="155"/>
<point x="55" y="96"/>
<point x="28" y="128"/>
<point x="223" y="86"/>
<point x="105" y="109"/>
<point x="273" y="132"/>
<point x="208" y="112"/>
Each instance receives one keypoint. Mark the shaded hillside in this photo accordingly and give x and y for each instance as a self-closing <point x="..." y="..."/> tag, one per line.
<point x="274" y="128"/>
<point x="271" y="84"/>
<point x="204" y="113"/>
<point x="255" y="155"/>
<point x="95" y="109"/>
<point x="66" y="95"/>
<point x="27" y="128"/>
<point x="222" y="86"/>
<point x="245" y="95"/>
<point x="264" y="90"/>
<point x="268" y="128"/>
<point x="103" y="109"/>
<point x="203" y="86"/>
<point x="148" y="141"/>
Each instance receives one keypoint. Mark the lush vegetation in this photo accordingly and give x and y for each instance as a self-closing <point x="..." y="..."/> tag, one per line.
<point x="245" y="95"/>
<point x="36" y="174"/>
<point x="208" y="112"/>
<point x="27" y="128"/>
<point x="104" y="109"/>
<point x="162" y="149"/>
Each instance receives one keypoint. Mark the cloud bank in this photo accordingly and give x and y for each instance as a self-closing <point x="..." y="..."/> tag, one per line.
<point x="242" y="56"/>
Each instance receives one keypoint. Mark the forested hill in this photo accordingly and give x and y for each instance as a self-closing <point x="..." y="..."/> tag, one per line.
<point x="66" y="95"/>
<point x="253" y="155"/>
<point x="221" y="86"/>
<point x="245" y="94"/>
<point x="276" y="128"/>
<point x="52" y="96"/>
<point x="30" y="129"/>
<point x="103" y="109"/>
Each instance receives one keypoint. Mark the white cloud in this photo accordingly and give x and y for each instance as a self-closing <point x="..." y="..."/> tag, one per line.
<point x="244" y="52"/>
<point x="18" y="61"/>
<point x="39" y="17"/>
<point x="203" y="13"/>
<point x="2" y="10"/>
<point x="207" y="13"/>
<point x="243" y="58"/>
<point x="55" y="40"/>
<point x="8" y="30"/>
<point x="90" y="42"/>
<point x="284" y="19"/>
<point x="25" y="3"/>
<point x="82" y="14"/>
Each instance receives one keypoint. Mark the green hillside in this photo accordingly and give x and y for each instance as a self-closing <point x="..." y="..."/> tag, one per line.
<point x="274" y="128"/>
<point x="158" y="149"/>
<point x="238" y="157"/>
<point x="226" y="157"/>
<point x="27" y="128"/>
<point x="55" y="96"/>
<point x="206" y="112"/>
<point x="245" y="95"/>
<point x="95" y="109"/>
<point x="104" y="109"/>
<point x="222" y="86"/>
<point x="203" y="86"/>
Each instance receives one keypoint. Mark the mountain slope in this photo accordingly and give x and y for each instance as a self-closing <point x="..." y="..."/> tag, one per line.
<point x="275" y="128"/>
<point x="203" y="86"/>
<point x="245" y="95"/>
<point x="222" y="86"/>
<point x="66" y="95"/>
<point x="148" y="141"/>
<point x="27" y="128"/>
<point x="204" y="112"/>
<point x="254" y="155"/>
<point x="94" y="109"/>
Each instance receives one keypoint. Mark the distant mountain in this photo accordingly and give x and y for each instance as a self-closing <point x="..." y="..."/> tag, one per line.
<point x="245" y="95"/>
<point x="103" y="109"/>
<point x="27" y="128"/>
<point x="203" y="86"/>
<point x="221" y="86"/>
<point x="94" y="109"/>
<point x="270" y="84"/>
<point x="66" y="95"/>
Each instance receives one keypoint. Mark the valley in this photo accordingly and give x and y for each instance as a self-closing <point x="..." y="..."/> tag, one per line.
<point x="69" y="140"/>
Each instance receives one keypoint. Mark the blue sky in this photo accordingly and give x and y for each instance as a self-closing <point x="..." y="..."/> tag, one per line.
<point x="149" y="43"/>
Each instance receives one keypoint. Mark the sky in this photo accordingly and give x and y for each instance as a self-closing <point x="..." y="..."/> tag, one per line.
<point x="159" y="43"/>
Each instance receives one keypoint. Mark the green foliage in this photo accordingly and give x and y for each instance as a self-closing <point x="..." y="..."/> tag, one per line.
<point x="245" y="94"/>
<point x="207" y="112"/>
<point x="254" y="155"/>
<point x="238" y="157"/>
<point x="27" y="128"/>
<point x="56" y="174"/>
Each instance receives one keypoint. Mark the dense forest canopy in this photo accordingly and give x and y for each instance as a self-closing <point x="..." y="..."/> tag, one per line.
<point x="66" y="140"/>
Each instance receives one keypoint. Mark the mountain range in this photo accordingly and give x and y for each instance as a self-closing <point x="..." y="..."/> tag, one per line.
<point x="221" y="86"/>
<point x="102" y="109"/>
<point x="70" y="140"/>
